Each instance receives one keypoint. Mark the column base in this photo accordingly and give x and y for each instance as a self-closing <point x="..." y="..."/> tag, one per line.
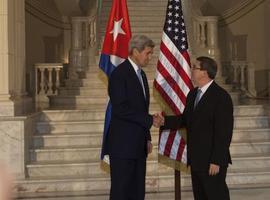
<point x="16" y="107"/>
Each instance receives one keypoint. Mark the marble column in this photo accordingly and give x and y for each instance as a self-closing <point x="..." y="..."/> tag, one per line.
<point x="13" y="99"/>
<point x="77" y="35"/>
<point x="212" y="41"/>
<point x="78" y="54"/>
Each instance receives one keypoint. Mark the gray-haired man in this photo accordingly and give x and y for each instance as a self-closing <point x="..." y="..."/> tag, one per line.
<point x="129" y="139"/>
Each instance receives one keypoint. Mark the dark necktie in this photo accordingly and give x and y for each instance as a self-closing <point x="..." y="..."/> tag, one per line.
<point x="139" y="74"/>
<point x="198" y="97"/>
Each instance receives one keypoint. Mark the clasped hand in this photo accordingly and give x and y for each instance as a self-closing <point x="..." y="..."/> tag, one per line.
<point x="158" y="120"/>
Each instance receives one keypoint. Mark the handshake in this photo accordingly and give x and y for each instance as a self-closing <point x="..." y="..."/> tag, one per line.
<point x="158" y="120"/>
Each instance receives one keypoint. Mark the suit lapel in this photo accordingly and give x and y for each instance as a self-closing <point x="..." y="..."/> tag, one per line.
<point x="204" y="99"/>
<point x="135" y="78"/>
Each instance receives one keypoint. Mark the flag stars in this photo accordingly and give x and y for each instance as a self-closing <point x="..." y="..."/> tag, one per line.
<point x="176" y="22"/>
<point x="183" y="39"/>
<point x="183" y="31"/>
<point x="169" y="29"/>
<point x="176" y="37"/>
<point x="183" y="46"/>
<point x="117" y="29"/>
<point x="169" y="21"/>
<point x="176" y="30"/>
<point x="176" y="8"/>
<point x="170" y="6"/>
<point x="169" y="14"/>
<point x="176" y="15"/>
<point x="183" y="24"/>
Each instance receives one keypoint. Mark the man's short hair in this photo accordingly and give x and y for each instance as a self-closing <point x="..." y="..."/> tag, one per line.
<point x="139" y="42"/>
<point x="209" y="65"/>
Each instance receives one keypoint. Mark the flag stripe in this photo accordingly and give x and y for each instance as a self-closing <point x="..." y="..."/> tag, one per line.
<point x="164" y="93"/>
<point x="181" y="73"/>
<point x="171" y="84"/>
<point x="169" y="143"/>
<point x="163" y="139"/>
<point x="168" y="71"/>
<point x="175" y="149"/>
<point x="181" y="149"/>
<point x="183" y="60"/>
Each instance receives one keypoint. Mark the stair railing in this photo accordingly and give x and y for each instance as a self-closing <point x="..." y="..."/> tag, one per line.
<point x="47" y="81"/>
<point x="243" y="76"/>
<point x="205" y="35"/>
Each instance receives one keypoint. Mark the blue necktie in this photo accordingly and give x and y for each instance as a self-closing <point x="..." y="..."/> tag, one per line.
<point x="198" y="97"/>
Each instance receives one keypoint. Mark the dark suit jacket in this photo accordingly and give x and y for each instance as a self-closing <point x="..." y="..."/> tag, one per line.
<point x="130" y="122"/>
<point x="209" y="127"/>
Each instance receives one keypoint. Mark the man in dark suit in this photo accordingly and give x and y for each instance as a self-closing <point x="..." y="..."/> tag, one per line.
<point x="208" y="117"/>
<point x="129" y="139"/>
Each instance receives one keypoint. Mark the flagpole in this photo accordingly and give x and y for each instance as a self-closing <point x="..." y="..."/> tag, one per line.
<point x="177" y="184"/>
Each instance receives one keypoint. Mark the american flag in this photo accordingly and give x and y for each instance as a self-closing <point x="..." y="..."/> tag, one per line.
<point x="173" y="77"/>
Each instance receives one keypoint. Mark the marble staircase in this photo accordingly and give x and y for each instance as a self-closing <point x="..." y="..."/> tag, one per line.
<point x="65" y="155"/>
<point x="64" y="158"/>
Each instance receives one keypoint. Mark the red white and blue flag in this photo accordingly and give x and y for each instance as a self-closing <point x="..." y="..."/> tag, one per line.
<point x="115" y="50"/>
<point x="173" y="80"/>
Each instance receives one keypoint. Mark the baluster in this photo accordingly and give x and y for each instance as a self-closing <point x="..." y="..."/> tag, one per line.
<point x="87" y="39"/>
<point x="234" y="65"/>
<point x="57" y="84"/>
<point x="242" y="79"/>
<point x="95" y="30"/>
<point x="203" y="37"/>
<point x="37" y="84"/>
<point x="50" y="83"/>
<point x="92" y="35"/>
<point x="42" y="89"/>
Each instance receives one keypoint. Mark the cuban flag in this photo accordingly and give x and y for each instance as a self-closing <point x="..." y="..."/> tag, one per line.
<point x="114" y="51"/>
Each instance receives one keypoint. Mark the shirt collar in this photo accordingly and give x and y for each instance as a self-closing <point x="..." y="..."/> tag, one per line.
<point x="134" y="65"/>
<point x="206" y="86"/>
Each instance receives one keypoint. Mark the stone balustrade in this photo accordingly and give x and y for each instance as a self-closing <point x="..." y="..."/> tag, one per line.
<point x="243" y="76"/>
<point x="206" y="32"/>
<point x="47" y="80"/>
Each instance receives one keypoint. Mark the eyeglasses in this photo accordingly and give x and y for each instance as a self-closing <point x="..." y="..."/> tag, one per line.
<point x="193" y="67"/>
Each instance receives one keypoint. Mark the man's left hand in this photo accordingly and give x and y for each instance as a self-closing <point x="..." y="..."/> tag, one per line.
<point x="213" y="169"/>
<point x="149" y="147"/>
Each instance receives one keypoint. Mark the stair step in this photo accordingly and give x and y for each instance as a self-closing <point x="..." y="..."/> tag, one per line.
<point x="251" y="122"/>
<point x="153" y="183"/>
<point x="95" y="138"/>
<point x="87" y="153"/>
<point x="98" y="125"/>
<point x="68" y="127"/>
<point x="71" y="154"/>
<point x="65" y="140"/>
<point x="99" y="114"/>
<point x="82" y="100"/>
<point x="93" y="168"/>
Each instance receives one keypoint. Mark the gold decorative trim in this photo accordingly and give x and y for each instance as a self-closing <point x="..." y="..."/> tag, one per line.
<point x="234" y="14"/>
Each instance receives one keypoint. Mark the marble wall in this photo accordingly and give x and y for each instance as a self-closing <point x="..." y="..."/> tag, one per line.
<point x="15" y="142"/>
<point x="244" y="36"/>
